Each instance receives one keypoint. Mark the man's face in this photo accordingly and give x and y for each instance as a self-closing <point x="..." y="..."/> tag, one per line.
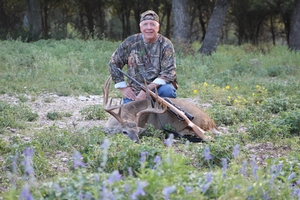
<point x="149" y="29"/>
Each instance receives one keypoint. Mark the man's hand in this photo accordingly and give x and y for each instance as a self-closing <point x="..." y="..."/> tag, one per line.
<point x="128" y="93"/>
<point x="142" y="95"/>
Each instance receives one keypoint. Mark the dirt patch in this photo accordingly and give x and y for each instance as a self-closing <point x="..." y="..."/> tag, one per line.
<point x="262" y="151"/>
<point x="49" y="102"/>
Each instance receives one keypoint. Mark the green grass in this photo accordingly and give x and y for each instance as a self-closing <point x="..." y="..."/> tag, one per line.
<point x="252" y="91"/>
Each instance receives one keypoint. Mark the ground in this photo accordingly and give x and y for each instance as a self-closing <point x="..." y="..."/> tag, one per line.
<point x="49" y="102"/>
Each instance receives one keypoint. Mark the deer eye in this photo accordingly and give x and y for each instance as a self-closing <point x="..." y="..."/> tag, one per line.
<point x="124" y="132"/>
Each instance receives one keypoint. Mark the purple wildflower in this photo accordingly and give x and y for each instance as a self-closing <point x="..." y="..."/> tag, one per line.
<point x="127" y="188"/>
<point x="105" y="144"/>
<point x="225" y="166"/>
<point x="208" y="182"/>
<point x="167" y="191"/>
<point x="14" y="163"/>
<point x="143" y="156"/>
<point x="273" y="176"/>
<point x="25" y="193"/>
<point x="77" y="160"/>
<point x="28" y="154"/>
<point x="209" y="177"/>
<point x="139" y="190"/>
<point x="291" y="176"/>
<point x="97" y="178"/>
<point x="236" y="151"/>
<point x="206" y="153"/>
<point x="105" y="193"/>
<point x="188" y="189"/>
<point x="57" y="188"/>
<point x="296" y="192"/>
<point x="157" y="159"/>
<point x="254" y="168"/>
<point x="130" y="171"/>
<point x="298" y="182"/>
<point x="114" y="176"/>
<point x="278" y="168"/>
<point x="265" y="196"/>
<point x="169" y="142"/>
<point x="205" y="187"/>
<point x="80" y="196"/>
<point x="244" y="168"/>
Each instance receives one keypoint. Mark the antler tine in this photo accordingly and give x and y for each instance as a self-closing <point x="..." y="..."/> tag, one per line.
<point x="156" y="108"/>
<point x="105" y="89"/>
<point x="109" y="107"/>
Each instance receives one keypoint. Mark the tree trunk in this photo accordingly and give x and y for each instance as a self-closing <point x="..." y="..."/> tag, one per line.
<point x="88" y="7"/>
<point x="181" y="19"/>
<point x="45" y="20"/>
<point x="166" y="24"/>
<point x="34" y="18"/>
<point x="101" y="15"/>
<point x="272" y="29"/>
<point x="214" y="29"/>
<point x="294" y="39"/>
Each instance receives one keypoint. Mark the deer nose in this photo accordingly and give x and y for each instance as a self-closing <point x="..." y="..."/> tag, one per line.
<point x="131" y="135"/>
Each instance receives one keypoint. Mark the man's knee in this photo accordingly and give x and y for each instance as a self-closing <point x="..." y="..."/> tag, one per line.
<point x="167" y="90"/>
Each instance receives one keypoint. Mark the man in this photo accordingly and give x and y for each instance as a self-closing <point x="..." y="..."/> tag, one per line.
<point x="149" y="56"/>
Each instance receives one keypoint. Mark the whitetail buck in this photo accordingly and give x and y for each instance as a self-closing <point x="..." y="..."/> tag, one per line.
<point x="132" y="117"/>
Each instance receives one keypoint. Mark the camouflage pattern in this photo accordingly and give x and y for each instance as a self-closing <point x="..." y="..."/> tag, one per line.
<point x="149" y="15"/>
<point x="144" y="61"/>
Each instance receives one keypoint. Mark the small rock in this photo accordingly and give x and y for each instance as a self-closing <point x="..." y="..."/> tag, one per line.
<point x="82" y="98"/>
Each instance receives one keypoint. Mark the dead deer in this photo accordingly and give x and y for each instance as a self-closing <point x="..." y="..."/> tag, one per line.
<point x="134" y="116"/>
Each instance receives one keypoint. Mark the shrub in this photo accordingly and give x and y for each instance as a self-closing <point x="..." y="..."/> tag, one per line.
<point x="269" y="129"/>
<point x="291" y="119"/>
<point x="12" y="116"/>
<point x="123" y="154"/>
<point x="277" y="103"/>
<point x="228" y="115"/>
<point x="95" y="112"/>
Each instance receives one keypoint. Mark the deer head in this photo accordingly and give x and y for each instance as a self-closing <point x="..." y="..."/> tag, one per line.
<point x="133" y="127"/>
<point x="126" y="128"/>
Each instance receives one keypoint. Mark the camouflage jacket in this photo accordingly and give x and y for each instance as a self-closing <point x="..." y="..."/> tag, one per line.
<point x="144" y="61"/>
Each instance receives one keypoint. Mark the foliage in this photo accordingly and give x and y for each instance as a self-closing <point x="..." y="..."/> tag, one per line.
<point x="251" y="95"/>
<point x="93" y="112"/>
<point x="13" y="116"/>
<point x="57" y="115"/>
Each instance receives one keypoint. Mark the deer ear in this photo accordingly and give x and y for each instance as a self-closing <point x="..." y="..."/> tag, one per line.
<point x="140" y="130"/>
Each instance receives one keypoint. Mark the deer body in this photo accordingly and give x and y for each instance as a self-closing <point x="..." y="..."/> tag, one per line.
<point x="130" y="118"/>
<point x="130" y="110"/>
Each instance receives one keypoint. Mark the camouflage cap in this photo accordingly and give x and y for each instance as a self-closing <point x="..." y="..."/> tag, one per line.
<point x="149" y="15"/>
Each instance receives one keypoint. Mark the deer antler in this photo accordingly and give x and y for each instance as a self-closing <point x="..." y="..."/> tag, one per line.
<point x="109" y="107"/>
<point x="156" y="108"/>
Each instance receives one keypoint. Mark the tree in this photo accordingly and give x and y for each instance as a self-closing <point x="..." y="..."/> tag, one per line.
<point x="294" y="43"/>
<point x="181" y="20"/>
<point x="214" y="29"/>
<point x="123" y="9"/>
<point x="4" y="26"/>
<point x="34" y="19"/>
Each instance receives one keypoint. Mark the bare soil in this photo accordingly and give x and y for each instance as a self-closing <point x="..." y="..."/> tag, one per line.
<point x="49" y="102"/>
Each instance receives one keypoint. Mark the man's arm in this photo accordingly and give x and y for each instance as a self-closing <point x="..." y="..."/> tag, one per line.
<point x="168" y="62"/>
